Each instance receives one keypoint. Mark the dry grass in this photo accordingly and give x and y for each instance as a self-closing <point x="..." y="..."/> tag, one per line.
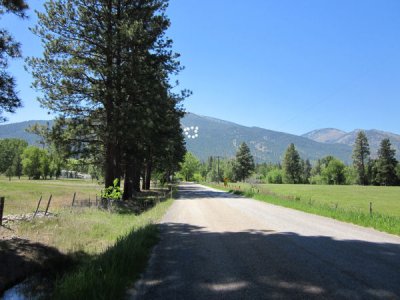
<point x="22" y="196"/>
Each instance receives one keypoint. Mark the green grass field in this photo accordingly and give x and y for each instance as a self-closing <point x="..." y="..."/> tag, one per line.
<point x="22" y="196"/>
<point x="385" y="200"/>
<point x="345" y="203"/>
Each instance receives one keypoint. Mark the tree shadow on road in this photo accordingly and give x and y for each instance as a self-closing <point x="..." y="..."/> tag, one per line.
<point x="192" y="263"/>
<point x="192" y="192"/>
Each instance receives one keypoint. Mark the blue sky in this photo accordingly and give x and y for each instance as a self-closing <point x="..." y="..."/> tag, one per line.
<point x="290" y="66"/>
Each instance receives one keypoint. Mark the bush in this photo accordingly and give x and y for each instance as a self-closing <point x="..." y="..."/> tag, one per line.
<point x="275" y="176"/>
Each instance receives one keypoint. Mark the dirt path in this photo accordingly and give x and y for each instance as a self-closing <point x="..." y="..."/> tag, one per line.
<point x="218" y="246"/>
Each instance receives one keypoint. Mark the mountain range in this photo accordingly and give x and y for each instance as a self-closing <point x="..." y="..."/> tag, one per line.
<point x="335" y="136"/>
<point x="206" y="136"/>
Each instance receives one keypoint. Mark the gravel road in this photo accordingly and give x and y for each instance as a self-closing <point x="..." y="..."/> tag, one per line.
<point x="218" y="246"/>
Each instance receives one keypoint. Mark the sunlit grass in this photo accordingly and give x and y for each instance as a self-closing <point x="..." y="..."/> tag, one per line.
<point x="22" y="196"/>
<point x="108" y="274"/>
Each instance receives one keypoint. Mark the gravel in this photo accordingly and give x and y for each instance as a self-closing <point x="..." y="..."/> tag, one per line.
<point x="216" y="245"/>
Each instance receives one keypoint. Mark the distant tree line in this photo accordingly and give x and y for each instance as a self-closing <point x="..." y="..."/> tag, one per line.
<point x="217" y="169"/>
<point x="382" y="170"/>
<point x="18" y="159"/>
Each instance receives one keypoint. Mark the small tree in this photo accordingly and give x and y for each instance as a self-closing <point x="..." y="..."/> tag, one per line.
<point x="361" y="154"/>
<point x="334" y="172"/>
<point x="10" y="156"/>
<point x="244" y="163"/>
<point x="17" y="165"/>
<point x="44" y="164"/>
<point x="275" y="176"/>
<point x="386" y="164"/>
<point x="292" y="165"/>
<point x="190" y="166"/>
<point x="31" y="158"/>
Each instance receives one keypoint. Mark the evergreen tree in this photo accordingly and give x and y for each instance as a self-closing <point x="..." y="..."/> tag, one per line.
<point x="306" y="171"/>
<point x="361" y="154"/>
<point x="292" y="165"/>
<point x="9" y="99"/>
<point x="372" y="171"/>
<point x="105" y="71"/>
<point x="244" y="163"/>
<point x="386" y="164"/>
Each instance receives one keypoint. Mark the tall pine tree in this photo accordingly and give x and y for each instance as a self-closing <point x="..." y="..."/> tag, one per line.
<point x="244" y="163"/>
<point x="361" y="154"/>
<point x="292" y="165"/>
<point x="105" y="71"/>
<point x="386" y="164"/>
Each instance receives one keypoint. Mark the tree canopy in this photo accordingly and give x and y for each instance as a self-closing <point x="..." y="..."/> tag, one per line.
<point x="106" y="72"/>
<point x="9" y="48"/>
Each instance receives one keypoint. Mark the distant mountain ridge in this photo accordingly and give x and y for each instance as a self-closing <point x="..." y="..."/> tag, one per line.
<point x="336" y="136"/>
<point x="17" y="130"/>
<point x="222" y="138"/>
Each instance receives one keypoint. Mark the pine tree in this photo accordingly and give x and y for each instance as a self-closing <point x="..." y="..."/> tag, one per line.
<point x="361" y="154"/>
<point x="244" y="163"/>
<point x="306" y="171"/>
<point x="105" y="71"/>
<point x="386" y="164"/>
<point x="9" y="99"/>
<point x="292" y="165"/>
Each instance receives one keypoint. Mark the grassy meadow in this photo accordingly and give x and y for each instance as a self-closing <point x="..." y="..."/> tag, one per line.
<point x="345" y="203"/>
<point x="22" y="195"/>
<point x="385" y="200"/>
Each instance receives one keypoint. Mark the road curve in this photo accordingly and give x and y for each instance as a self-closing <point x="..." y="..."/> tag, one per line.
<point x="218" y="246"/>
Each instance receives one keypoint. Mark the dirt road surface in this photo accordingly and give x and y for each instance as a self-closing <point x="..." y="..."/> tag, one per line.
<point x="218" y="246"/>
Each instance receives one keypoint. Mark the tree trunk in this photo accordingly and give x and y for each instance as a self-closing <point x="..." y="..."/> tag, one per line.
<point x="136" y="178"/>
<point x="109" y="165"/>
<point x="148" y="174"/>
<point x="128" y="184"/>
<point x="143" y="179"/>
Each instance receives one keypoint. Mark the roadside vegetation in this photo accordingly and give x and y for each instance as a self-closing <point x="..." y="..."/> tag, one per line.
<point x="105" y="250"/>
<point x="116" y="248"/>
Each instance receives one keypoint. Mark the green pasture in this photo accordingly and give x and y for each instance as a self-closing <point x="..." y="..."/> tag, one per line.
<point x="22" y="195"/>
<point x="385" y="199"/>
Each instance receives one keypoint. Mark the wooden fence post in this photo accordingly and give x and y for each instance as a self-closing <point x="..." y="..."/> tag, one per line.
<point x="37" y="208"/>
<point x="1" y="210"/>
<point x="73" y="199"/>
<point x="48" y="204"/>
